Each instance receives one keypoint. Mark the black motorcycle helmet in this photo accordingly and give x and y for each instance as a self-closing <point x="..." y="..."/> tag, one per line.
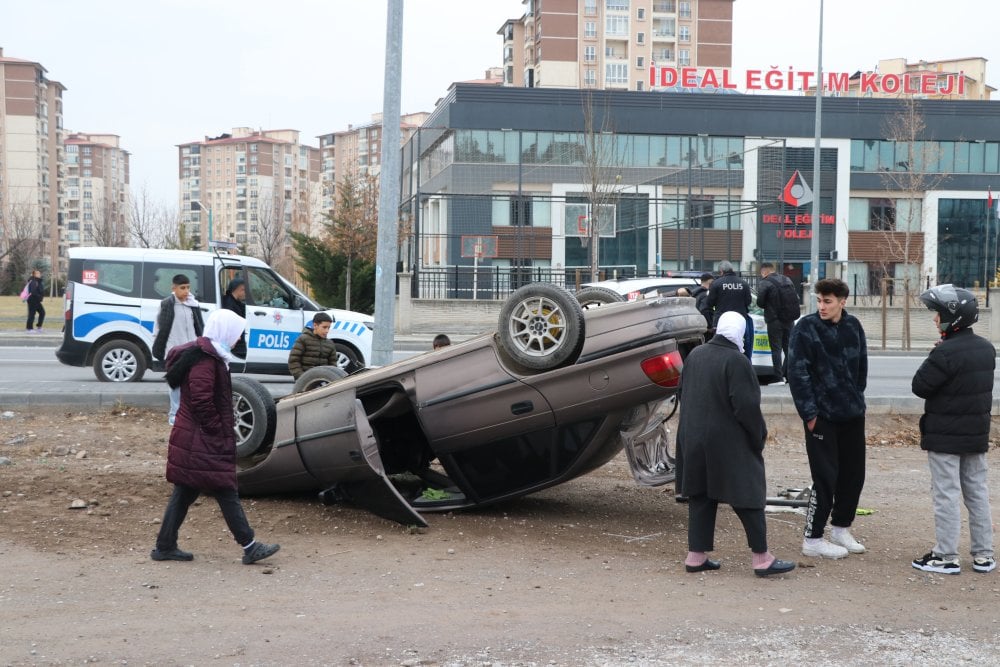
<point x="956" y="306"/>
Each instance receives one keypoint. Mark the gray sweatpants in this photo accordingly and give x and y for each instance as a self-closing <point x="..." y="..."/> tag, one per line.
<point x="955" y="477"/>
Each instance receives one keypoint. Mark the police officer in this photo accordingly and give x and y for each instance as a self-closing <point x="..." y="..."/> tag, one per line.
<point x="729" y="292"/>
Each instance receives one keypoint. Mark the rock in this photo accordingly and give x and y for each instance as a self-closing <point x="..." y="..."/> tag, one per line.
<point x="4" y="461"/>
<point x="6" y="414"/>
<point x="78" y="504"/>
<point x="60" y="450"/>
<point x="17" y="440"/>
<point x="82" y="454"/>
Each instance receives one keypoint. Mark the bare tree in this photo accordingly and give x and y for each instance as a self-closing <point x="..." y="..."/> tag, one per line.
<point x="268" y="242"/>
<point x="107" y="227"/>
<point x="907" y="180"/>
<point x="151" y="224"/>
<point x="352" y="227"/>
<point x="603" y="169"/>
<point x="22" y="240"/>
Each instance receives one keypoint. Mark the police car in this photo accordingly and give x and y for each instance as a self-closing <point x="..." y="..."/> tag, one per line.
<point x="633" y="289"/>
<point x="113" y="297"/>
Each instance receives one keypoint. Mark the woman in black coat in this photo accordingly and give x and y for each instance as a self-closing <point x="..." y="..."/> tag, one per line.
<point x="720" y="444"/>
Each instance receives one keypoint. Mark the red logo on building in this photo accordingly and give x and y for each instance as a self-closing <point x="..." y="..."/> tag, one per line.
<point x="796" y="192"/>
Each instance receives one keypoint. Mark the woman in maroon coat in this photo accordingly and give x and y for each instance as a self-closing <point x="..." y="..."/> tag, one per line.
<point x="201" y="457"/>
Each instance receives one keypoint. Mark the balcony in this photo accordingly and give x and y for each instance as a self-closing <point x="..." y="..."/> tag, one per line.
<point x="668" y="7"/>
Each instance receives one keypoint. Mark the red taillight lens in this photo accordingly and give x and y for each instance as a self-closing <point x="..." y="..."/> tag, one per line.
<point x="664" y="370"/>
<point x="68" y="301"/>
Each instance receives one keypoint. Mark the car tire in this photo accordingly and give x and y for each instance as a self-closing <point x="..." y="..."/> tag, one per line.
<point x="347" y="359"/>
<point x="590" y="297"/>
<point x="255" y="415"/>
<point x="119" y="361"/>
<point x="317" y="377"/>
<point x="541" y="327"/>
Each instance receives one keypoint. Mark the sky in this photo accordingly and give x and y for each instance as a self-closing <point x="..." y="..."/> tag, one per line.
<point x="164" y="72"/>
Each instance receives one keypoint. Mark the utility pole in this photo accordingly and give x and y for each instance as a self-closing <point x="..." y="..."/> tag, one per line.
<point x="814" y="246"/>
<point x="387" y="250"/>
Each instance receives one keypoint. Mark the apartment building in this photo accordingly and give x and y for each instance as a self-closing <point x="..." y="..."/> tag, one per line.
<point x="250" y="187"/>
<point x="611" y="44"/>
<point x="95" y="193"/>
<point x="951" y="79"/>
<point x="31" y="137"/>
<point x="357" y="152"/>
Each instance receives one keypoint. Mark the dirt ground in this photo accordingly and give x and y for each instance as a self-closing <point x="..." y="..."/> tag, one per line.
<point x="587" y="573"/>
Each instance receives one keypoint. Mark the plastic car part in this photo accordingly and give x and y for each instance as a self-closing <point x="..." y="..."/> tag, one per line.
<point x="541" y="327"/>
<point x="650" y="447"/>
<point x="119" y="361"/>
<point x="256" y="416"/>
<point x="318" y="376"/>
<point x="590" y="297"/>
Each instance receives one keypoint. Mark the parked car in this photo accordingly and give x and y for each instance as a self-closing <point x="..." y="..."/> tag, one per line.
<point x="631" y="289"/>
<point x="113" y="297"/>
<point x="556" y="392"/>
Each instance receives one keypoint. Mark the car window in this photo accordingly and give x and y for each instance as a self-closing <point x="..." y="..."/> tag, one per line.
<point x="159" y="279"/>
<point x="117" y="277"/>
<point x="264" y="289"/>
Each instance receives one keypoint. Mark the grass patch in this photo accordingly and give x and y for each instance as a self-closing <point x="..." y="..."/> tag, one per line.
<point x="14" y="313"/>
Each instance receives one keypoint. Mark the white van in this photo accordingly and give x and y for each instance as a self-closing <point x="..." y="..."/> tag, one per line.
<point x="113" y="297"/>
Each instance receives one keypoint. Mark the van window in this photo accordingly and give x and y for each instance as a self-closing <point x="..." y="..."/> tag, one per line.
<point x="159" y="278"/>
<point x="264" y="289"/>
<point x="117" y="277"/>
<point x="226" y="275"/>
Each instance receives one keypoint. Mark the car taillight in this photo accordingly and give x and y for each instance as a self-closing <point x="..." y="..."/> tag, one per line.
<point x="68" y="301"/>
<point x="664" y="370"/>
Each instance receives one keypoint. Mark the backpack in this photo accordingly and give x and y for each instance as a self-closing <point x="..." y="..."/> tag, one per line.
<point x="788" y="309"/>
<point x="26" y="292"/>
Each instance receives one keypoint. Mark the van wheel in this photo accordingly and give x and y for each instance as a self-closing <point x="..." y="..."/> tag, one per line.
<point x="317" y="377"/>
<point x="119" y="361"/>
<point x="347" y="359"/>
<point x="256" y="416"/>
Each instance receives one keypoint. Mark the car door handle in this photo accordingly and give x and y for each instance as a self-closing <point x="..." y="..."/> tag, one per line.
<point x="522" y="408"/>
<point x="259" y="313"/>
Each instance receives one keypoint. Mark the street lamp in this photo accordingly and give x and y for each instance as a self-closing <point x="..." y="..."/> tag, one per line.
<point x="196" y="205"/>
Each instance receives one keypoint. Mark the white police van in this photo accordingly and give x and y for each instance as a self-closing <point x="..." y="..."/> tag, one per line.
<point x="113" y="298"/>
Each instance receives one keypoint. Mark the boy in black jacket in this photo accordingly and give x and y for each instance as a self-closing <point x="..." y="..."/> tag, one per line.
<point x="956" y="380"/>
<point x="827" y="376"/>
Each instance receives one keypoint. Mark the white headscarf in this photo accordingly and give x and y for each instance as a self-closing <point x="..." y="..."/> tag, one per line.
<point x="732" y="326"/>
<point x="224" y="328"/>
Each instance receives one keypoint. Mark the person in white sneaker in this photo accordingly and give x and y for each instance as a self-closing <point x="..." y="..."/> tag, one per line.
<point x="956" y="383"/>
<point x="827" y="374"/>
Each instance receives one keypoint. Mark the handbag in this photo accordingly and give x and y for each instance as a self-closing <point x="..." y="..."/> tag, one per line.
<point x="24" y="293"/>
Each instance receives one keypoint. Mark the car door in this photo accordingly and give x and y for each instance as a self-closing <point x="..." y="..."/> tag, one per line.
<point x="273" y="324"/>
<point x="338" y="448"/>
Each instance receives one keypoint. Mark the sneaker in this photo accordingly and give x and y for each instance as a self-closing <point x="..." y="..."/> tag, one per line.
<point x="984" y="564"/>
<point x="931" y="563"/>
<point x="171" y="554"/>
<point x="846" y="540"/>
<point x="823" y="549"/>
<point x="259" y="551"/>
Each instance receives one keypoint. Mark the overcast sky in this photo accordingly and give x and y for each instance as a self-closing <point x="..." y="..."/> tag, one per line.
<point x="163" y="72"/>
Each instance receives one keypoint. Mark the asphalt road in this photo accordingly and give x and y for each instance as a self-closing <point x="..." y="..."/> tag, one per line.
<point x="33" y="376"/>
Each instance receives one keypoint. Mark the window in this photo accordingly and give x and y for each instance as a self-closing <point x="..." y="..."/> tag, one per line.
<point x="641" y="13"/>
<point x="616" y="5"/>
<point x="590" y="29"/>
<point x="589" y="53"/>
<point x="590" y="78"/>
<point x="590" y="7"/>
<point x="158" y="280"/>
<point x="684" y="33"/>
<point x="683" y="57"/>
<point x="881" y="215"/>
<point x="615" y="73"/>
<point x="638" y="85"/>
<point x="640" y="38"/>
<point x="616" y="25"/>
<point x="640" y="62"/>
<point x="684" y="9"/>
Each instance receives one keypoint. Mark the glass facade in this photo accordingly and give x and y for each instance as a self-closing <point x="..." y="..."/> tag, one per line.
<point x="967" y="243"/>
<point x="931" y="157"/>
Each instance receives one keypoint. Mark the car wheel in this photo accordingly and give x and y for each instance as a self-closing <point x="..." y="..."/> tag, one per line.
<point x="317" y="377"/>
<point x="119" y="361"/>
<point x="347" y="359"/>
<point x="541" y="326"/>
<point x="255" y="414"/>
<point x="590" y="297"/>
<point x="653" y="459"/>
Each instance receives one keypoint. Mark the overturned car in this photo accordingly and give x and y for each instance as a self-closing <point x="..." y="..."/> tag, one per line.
<point x="556" y="392"/>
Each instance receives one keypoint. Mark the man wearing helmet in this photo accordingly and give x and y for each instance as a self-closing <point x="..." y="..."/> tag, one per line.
<point x="956" y="383"/>
<point x="827" y="374"/>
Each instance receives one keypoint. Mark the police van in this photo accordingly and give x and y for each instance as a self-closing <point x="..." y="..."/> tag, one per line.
<point x="113" y="298"/>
